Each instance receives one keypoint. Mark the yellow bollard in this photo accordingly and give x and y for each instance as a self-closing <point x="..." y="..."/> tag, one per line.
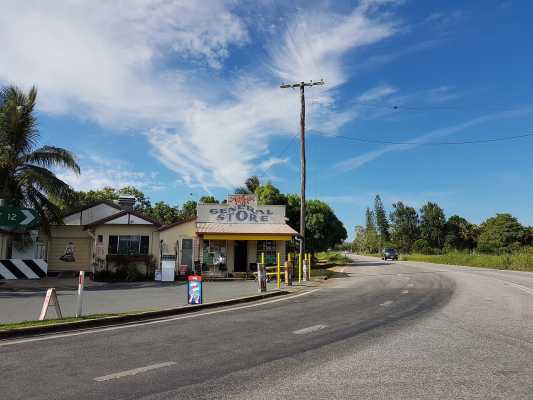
<point x="278" y="276"/>
<point x="309" y="265"/>
<point x="263" y="258"/>
<point x="299" y="268"/>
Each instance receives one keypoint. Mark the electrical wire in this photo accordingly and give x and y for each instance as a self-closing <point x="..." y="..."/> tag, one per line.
<point x="421" y="143"/>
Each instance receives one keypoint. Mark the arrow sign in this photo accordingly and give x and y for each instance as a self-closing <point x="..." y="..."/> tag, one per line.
<point x="17" y="217"/>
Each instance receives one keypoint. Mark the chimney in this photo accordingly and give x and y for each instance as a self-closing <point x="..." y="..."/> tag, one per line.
<point x="126" y="202"/>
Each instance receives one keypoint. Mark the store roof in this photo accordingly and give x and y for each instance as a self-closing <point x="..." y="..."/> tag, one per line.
<point x="260" y="229"/>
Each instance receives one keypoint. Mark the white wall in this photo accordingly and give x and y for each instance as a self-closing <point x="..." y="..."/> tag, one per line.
<point x="90" y="215"/>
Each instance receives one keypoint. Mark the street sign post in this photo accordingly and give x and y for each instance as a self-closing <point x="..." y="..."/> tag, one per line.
<point x="15" y="217"/>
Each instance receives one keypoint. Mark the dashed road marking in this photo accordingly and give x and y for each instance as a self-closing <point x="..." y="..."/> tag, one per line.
<point x="410" y="285"/>
<point x="387" y="303"/>
<point x="131" y="372"/>
<point x="405" y="291"/>
<point x="309" y="329"/>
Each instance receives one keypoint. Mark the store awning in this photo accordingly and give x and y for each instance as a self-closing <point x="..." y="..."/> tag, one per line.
<point x="215" y="231"/>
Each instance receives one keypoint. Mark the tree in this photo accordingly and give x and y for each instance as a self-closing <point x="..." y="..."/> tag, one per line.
<point x="252" y="183"/>
<point x="460" y="234"/>
<point x="432" y="225"/>
<point x="164" y="213"/>
<point x="371" y="238"/>
<point x="502" y="233"/>
<point x="268" y="194"/>
<point x="404" y="225"/>
<point x="188" y="210"/>
<point x="323" y="230"/>
<point x="381" y="221"/>
<point x="25" y="175"/>
<point x="208" y="200"/>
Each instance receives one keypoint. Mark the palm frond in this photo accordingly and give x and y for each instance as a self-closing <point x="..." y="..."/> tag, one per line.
<point x="42" y="179"/>
<point x="49" y="156"/>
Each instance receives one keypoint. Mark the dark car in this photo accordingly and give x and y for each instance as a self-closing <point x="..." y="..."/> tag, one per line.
<point x="390" y="254"/>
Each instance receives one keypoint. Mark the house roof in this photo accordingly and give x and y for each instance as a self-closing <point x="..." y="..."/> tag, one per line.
<point x="96" y="203"/>
<point x="184" y="221"/>
<point x="258" y="229"/>
<point x="121" y="214"/>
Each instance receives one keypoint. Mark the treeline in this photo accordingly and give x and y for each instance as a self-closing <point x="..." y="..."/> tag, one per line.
<point x="323" y="229"/>
<point x="428" y="231"/>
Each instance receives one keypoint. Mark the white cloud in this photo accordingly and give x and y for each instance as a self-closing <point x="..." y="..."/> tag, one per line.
<point x="155" y="67"/>
<point x="376" y="93"/>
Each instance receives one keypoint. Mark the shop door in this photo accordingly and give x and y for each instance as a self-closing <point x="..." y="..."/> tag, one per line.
<point x="241" y="256"/>
<point x="186" y="252"/>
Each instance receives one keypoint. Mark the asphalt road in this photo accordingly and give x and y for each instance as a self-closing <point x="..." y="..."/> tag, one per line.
<point x="382" y="331"/>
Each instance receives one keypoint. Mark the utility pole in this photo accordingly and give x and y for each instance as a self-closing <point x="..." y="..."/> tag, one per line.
<point x="302" y="86"/>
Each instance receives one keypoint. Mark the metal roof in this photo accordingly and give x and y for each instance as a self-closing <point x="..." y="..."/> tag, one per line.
<point x="259" y="229"/>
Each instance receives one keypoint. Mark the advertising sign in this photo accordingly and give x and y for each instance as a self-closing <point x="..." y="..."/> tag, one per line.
<point x="194" y="289"/>
<point x="242" y="200"/>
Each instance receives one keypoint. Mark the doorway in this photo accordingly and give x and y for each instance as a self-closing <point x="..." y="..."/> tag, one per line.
<point x="241" y="256"/>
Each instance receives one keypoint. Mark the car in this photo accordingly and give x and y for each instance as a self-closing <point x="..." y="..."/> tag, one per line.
<point x="390" y="254"/>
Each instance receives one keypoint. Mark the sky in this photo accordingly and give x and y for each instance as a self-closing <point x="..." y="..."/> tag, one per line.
<point x="181" y="98"/>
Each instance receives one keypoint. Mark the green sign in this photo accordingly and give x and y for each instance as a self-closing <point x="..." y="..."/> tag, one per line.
<point x="17" y="217"/>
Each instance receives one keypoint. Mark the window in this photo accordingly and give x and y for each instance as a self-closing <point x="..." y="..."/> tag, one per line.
<point x="128" y="244"/>
<point x="269" y="248"/>
<point x="100" y="238"/>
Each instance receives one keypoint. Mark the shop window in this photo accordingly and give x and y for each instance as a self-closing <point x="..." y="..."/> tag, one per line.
<point x="269" y="248"/>
<point x="128" y="244"/>
<point x="214" y="252"/>
<point x="100" y="238"/>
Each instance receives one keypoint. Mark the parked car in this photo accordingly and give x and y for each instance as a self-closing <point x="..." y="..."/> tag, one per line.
<point x="390" y="254"/>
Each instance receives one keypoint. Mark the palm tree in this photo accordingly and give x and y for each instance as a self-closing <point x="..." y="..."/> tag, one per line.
<point x="25" y="176"/>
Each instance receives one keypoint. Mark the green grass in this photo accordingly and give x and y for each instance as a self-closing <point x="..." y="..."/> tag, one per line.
<point x="57" y="321"/>
<point x="522" y="261"/>
<point x="332" y="257"/>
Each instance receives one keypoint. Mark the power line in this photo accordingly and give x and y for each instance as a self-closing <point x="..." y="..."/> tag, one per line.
<point x="498" y="139"/>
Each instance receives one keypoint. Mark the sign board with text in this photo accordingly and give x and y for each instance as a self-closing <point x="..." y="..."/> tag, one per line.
<point x="17" y="217"/>
<point x="240" y="214"/>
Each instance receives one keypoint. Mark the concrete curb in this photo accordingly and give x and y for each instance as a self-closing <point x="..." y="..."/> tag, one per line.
<point x="121" y="319"/>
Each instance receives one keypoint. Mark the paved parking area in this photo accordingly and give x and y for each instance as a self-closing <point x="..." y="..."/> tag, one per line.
<point x="22" y="301"/>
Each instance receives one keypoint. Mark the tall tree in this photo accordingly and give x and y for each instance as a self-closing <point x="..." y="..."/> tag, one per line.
<point x="381" y="220"/>
<point x="323" y="230"/>
<point x="25" y="175"/>
<point x="404" y="226"/>
<point x="432" y="225"/>
<point x="268" y="194"/>
<point x="501" y="233"/>
<point x="208" y="200"/>
<point x="460" y="234"/>
<point x="372" y="242"/>
<point x="252" y="183"/>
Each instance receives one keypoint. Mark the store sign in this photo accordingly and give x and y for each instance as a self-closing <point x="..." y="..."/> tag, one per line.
<point x="240" y="214"/>
<point x="242" y="200"/>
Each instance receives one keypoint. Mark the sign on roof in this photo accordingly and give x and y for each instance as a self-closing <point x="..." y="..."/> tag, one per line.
<point x="242" y="200"/>
<point x="240" y="214"/>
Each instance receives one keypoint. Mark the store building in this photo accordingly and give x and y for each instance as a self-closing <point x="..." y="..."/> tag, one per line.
<point x="228" y="238"/>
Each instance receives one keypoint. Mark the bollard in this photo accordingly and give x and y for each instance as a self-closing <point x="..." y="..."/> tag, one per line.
<point x="288" y="275"/>
<point x="300" y="268"/>
<point x="81" y="282"/>
<point x="278" y="280"/>
<point x="310" y="264"/>
<point x="305" y="269"/>
<point x="261" y="278"/>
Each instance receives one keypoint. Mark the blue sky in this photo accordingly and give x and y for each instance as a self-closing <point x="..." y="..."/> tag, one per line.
<point x="181" y="98"/>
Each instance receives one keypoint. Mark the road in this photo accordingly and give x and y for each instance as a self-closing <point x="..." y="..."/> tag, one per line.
<point x="382" y="330"/>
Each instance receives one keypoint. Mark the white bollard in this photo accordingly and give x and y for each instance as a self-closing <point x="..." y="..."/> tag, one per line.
<point x="81" y="282"/>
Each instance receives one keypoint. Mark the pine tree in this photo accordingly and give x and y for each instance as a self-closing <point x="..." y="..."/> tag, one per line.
<point x="381" y="221"/>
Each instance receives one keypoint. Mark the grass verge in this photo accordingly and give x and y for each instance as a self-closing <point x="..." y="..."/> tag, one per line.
<point x="331" y="257"/>
<point x="58" y="321"/>
<point x="516" y="261"/>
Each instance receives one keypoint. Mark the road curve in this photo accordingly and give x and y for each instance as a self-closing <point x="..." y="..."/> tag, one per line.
<point x="379" y="330"/>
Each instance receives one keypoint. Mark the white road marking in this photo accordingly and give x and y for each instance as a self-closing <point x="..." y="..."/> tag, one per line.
<point x="158" y="321"/>
<point x="522" y="288"/>
<point x="132" y="372"/>
<point x="410" y="285"/>
<point x="405" y="291"/>
<point x="309" y="329"/>
<point x="387" y="303"/>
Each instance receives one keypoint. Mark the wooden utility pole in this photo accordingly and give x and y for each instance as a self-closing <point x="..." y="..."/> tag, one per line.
<point x="302" y="86"/>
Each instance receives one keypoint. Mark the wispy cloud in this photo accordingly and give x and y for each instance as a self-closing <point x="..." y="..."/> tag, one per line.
<point x="353" y="163"/>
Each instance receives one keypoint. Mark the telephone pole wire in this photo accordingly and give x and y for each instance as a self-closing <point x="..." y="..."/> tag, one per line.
<point x="302" y="86"/>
